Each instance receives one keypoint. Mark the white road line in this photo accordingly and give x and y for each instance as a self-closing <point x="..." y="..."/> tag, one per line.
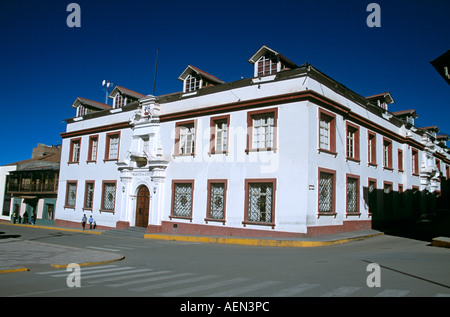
<point x="102" y="249"/>
<point x="87" y="269"/>
<point x="84" y="273"/>
<point x="126" y="277"/>
<point x="392" y="293"/>
<point x="154" y="279"/>
<point x="173" y="283"/>
<point x="442" y="295"/>
<point x="245" y="289"/>
<point x="294" y="290"/>
<point x="341" y="291"/>
<point x="128" y="272"/>
<point x="205" y="287"/>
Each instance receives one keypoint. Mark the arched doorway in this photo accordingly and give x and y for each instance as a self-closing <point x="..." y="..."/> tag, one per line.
<point x="142" y="206"/>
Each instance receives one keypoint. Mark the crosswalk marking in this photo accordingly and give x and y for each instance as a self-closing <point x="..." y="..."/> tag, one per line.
<point x="102" y="249"/>
<point x="173" y="283"/>
<point x="245" y="289"/>
<point x="341" y="291"/>
<point x="133" y="274"/>
<point x="84" y="273"/>
<point x="204" y="287"/>
<point x="294" y="290"/>
<point x="392" y="293"/>
<point x="191" y="284"/>
<point x="154" y="279"/>
<point x="83" y="269"/>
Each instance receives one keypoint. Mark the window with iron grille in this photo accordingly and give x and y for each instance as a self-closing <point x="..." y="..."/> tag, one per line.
<point x="71" y="194"/>
<point x="217" y="201"/>
<point x="89" y="195"/>
<point x="109" y="196"/>
<point x="326" y="192"/>
<point x="352" y="195"/>
<point x="260" y="202"/>
<point x="182" y="200"/>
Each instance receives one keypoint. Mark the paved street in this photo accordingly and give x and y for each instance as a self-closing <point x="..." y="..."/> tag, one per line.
<point x="158" y="268"/>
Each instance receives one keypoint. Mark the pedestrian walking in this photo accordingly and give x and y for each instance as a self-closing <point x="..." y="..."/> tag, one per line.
<point x="91" y="220"/>
<point x="83" y="221"/>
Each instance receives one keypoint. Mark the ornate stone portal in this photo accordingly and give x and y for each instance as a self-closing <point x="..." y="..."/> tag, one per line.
<point x="143" y="165"/>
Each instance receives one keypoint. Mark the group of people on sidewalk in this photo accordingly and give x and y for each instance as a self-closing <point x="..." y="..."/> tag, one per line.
<point x="92" y="223"/>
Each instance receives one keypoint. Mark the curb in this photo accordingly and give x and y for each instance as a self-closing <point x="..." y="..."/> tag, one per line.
<point x="51" y="228"/>
<point x="442" y="242"/>
<point x="257" y="242"/>
<point x="60" y="266"/>
<point x="23" y="269"/>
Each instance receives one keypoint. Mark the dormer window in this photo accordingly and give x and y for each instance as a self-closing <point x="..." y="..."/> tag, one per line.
<point x="268" y="62"/>
<point x="267" y="65"/>
<point x="381" y="100"/>
<point x="194" y="79"/>
<point x="85" y="106"/>
<point x="192" y="83"/>
<point x="119" y="101"/>
<point x="122" y="96"/>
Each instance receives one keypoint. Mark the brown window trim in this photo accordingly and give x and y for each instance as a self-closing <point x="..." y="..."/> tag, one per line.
<point x="333" y="202"/>
<point x="212" y="140"/>
<point x="250" y="116"/>
<point x="172" y="203"/>
<point x="107" y="145"/>
<point x="72" y="141"/>
<point x="372" y="143"/>
<point x="208" y="202"/>
<point x="89" y="160"/>
<point x="358" y="195"/>
<point x="389" y="165"/>
<point x="332" y="137"/>
<point x="103" y="196"/>
<point x="400" y="160"/>
<point x="273" y="181"/>
<point x="356" y="155"/>
<point x="85" y="194"/>
<point x="374" y="181"/>
<point x="67" y="193"/>
<point x="415" y="167"/>
<point x="178" y="137"/>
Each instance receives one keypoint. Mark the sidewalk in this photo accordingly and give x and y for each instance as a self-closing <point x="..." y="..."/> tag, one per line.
<point x="18" y="255"/>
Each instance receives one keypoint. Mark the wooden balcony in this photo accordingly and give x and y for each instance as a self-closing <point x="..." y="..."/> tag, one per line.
<point x="33" y="182"/>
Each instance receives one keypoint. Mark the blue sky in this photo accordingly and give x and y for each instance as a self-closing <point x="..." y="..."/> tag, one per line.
<point x="45" y="65"/>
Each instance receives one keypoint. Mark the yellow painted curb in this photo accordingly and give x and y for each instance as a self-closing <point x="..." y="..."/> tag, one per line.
<point x="60" y="266"/>
<point x="256" y="242"/>
<point x="52" y="228"/>
<point x="24" y="269"/>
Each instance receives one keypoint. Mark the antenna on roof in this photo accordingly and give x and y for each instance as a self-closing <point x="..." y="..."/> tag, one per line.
<point x="107" y="84"/>
<point x="156" y="69"/>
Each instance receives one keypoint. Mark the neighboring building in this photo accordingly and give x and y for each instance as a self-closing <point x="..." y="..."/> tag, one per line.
<point x="288" y="152"/>
<point x="442" y="66"/>
<point x="31" y="186"/>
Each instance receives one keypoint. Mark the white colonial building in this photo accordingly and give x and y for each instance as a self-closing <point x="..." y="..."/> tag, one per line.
<point x="288" y="152"/>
